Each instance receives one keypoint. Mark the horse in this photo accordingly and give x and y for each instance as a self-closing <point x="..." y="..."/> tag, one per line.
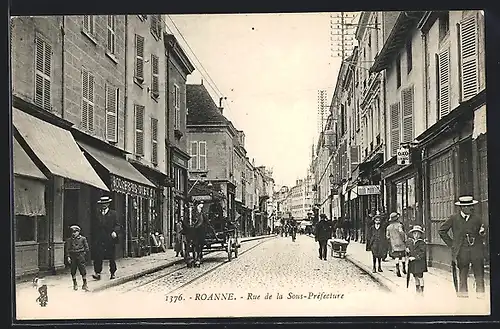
<point x="194" y="240"/>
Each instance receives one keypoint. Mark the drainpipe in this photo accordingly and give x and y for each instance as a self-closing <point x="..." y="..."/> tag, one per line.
<point x="125" y="87"/>
<point x="425" y="76"/>
<point x="387" y="154"/>
<point x="168" y="161"/>
<point x="63" y="33"/>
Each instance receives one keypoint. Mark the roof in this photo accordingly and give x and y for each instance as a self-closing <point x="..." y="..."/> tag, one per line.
<point x="202" y="108"/>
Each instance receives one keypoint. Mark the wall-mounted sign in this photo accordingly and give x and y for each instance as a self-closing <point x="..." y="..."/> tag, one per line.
<point x="121" y="185"/>
<point x="180" y="161"/>
<point x="368" y="190"/>
<point x="71" y="184"/>
<point x="403" y="156"/>
<point x="201" y="197"/>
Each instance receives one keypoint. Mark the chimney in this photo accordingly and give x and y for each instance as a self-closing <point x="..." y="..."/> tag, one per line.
<point x="221" y="108"/>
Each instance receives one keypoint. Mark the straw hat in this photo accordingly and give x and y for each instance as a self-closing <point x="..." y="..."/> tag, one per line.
<point x="393" y="216"/>
<point x="417" y="228"/>
<point x="75" y="228"/>
<point x="466" y="201"/>
<point x="105" y="199"/>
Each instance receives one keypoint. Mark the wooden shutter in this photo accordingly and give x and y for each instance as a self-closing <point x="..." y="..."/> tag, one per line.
<point x="154" y="24"/>
<point x="469" y="57"/>
<point x="43" y="60"/>
<point x="154" y="76"/>
<point x="203" y="155"/>
<point x="444" y="82"/>
<point x="177" y="110"/>
<point x="139" y="130"/>
<point x="194" y="156"/>
<point x="111" y="34"/>
<point x="407" y="104"/>
<point x="87" y="122"/>
<point x="91" y="102"/>
<point x="88" y="24"/>
<point x="154" y="141"/>
<point x="394" y="108"/>
<point x="139" y="57"/>
<point x="111" y="113"/>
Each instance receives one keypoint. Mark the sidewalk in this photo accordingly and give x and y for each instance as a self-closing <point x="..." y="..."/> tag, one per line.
<point x="128" y="269"/>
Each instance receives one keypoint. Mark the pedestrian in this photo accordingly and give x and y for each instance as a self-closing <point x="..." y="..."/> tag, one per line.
<point x="76" y="249"/>
<point x="323" y="234"/>
<point x="396" y="237"/>
<point x="178" y="239"/>
<point x="105" y="238"/>
<point x="417" y="257"/>
<point x="466" y="244"/>
<point x="375" y="243"/>
<point x="384" y="223"/>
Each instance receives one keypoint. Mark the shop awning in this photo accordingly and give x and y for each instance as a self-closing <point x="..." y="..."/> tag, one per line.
<point x="56" y="149"/>
<point x="116" y="165"/>
<point x="23" y="165"/>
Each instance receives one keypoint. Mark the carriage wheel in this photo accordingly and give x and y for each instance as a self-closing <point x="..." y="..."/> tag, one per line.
<point x="236" y="249"/>
<point x="229" y="249"/>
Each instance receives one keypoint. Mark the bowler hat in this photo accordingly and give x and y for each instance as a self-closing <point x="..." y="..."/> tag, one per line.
<point x="393" y="216"/>
<point x="416" y="228"/>
<point x="466" y="201"/>
<point x="105" y="199"/>
<point x="75" y="228"/>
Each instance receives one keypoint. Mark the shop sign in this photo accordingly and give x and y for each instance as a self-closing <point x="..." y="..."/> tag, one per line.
<point x="403" y="156"/>
<point x="201" y="197"/>
<point x="71" y="184"/>
<point x="121" y="185"/>
<point x="180" y="161"/>
<point x="368" y="190"/>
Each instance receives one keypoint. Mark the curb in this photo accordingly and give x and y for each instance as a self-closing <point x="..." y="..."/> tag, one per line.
<point x="121" y="280"/>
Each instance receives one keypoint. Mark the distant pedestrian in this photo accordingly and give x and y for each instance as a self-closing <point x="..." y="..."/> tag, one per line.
<point x="76" y="249"/>
<point x="396" y="237"/>
<point x="375" y="243"/>
<point x="178" y="238"/>
<point x="417" y="260"/>
<point x="384" y="222"/>
<point x="323" y="234"/>
<point x="105" y="238"/>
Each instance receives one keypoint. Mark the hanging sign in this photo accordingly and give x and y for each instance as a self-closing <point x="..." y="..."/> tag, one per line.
<point x="403" y="156"/>
<point x="368" y="189"/>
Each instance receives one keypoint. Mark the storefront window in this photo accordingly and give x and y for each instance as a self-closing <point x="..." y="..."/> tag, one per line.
<point x="411" y="203"/>
<point x="399" y="198"/>
<point x="25" y="228"/>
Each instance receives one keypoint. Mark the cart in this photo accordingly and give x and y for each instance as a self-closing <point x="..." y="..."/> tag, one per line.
<point x="339" y="247"/>
<point x="222" y="235"/>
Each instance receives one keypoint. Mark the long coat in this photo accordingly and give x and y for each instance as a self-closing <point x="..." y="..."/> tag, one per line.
<point x="396" y="236"/>
<point x="418" y="250"/>
<point x="103" y="243"/>
<point x="460" y="227"/>
<point x="323" y="230"/>
<point x="376" y="241"/>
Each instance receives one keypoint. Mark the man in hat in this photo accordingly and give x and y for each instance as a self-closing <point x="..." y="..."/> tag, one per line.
<point x="75" y="249"/>
<point x="322" y="234"/>
<point x="105" y="238"/>
<point x="467" y="244"/>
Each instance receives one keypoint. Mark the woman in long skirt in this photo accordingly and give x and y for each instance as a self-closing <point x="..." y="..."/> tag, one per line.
<point x="376" y="243"/>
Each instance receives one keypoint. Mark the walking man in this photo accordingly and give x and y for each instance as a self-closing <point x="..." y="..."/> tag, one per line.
<point x="466" y="245"/>
<point x="105" y="238"/>
<point x="322" y="234"/>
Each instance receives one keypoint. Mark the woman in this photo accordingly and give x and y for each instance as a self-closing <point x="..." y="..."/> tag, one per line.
<point x="397" y="238"/>
<point x="178" y="239"/>
<point x="375" y="243"/>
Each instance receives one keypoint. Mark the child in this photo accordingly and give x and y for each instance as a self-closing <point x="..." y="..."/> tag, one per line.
<point x="375" y="243"/>
<point x="417" y="260"/>
<point x="43" y="299"/>
<point x="76" y="248"/>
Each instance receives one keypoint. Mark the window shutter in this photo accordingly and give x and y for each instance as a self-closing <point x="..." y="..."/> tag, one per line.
<point x="444" y="82"/>
<point x="154" y="75"/>
<point x="139" y="130"/>
<point x="154" y="141"/>
<point x="469" y="57"/>
<point x="85" y="104"/>
<point x="111" y="34"/>
<point x="154" y="24"/>
<point x="91" y="102"/>
<point x="394" y="128"/>
<point x="203" y="155"/>
<point x="194" y="156"/>
<point x="407" y="103"/>
<point x="86" y="22"/>
<point x="139" y="60"/>
<point x="43" y="60"/>
<point x="111" y="112"/>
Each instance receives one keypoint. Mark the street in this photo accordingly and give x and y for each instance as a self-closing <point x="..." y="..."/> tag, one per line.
<point x="250" y="285"/>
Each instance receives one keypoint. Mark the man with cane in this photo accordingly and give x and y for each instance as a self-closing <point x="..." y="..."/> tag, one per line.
<point x="466" y="245"/>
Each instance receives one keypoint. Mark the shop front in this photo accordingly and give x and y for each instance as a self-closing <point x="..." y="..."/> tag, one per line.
<point x="179" y="189"/>
<point x="29" y="210"/>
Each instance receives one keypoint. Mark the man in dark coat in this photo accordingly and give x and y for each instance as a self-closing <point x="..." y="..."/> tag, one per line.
<point x="467" y="244"/>
<point x="105" y="238"/>
<point x="322" y="234"/>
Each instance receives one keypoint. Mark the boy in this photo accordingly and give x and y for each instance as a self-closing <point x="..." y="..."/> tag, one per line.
<point x="75" y="249"/>
<point x="417" y="260"/>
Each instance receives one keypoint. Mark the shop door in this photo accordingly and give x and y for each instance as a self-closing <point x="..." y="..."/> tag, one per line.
<point x="71" y="211"/>
<point x="482" y="197"/>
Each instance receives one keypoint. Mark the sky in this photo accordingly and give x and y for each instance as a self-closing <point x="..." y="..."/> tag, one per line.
<point x="270" y="67"/>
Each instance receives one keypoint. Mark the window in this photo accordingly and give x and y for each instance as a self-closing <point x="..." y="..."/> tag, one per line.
<point x="469" y="68"/>
<point x="139" y="58"/>
<point x="111" y="113"/>
<point x="443" y="65"/>
<point x="87" y="101"/>
<point x="394" y="110"/>
<point x="198" y="156"/>
<point x="25" y="228"/>
<point x="111" y="34"/>
<point x="154" y="141"/>
<point x="398" y="72"/>
<point x="177" y="108"/>
<point x="156" y="25"/>
<point x="409" y="56"/>
<point x="155" y="92"/>
<point x="143" y="17"/>
<point x="88" y="24"/>
<point x="444" y="25"/>
<point x="43" y="60"/>
<point x="139" y="130"/>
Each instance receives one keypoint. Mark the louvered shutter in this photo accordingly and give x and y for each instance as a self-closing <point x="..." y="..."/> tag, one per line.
<point x="154" y="141"/>
<point x="111" y="34"/>
<point x="469" y="57"/>
<point x="43" y="59"/>
<point x="154" y="76"/>
<point x="111" y="112"/>
<point x="444" y="82"/>
<point x="91" y="102"/>
<point x="85" y="105"/>
<point x="154" y="24"/>
<point x="139" y="130"/>
<point x="139" y="57"/>
<point x="194" y="156"/>
<point x="86" y="23"/>
<point x="407" y="104"/>
<point x="203" y="155"/>
<point x="395" y="140"/>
